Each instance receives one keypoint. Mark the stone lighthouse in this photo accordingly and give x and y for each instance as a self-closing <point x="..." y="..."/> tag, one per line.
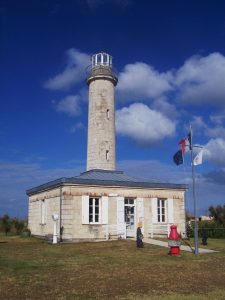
<point x="103" y="202"/>
<point x="101" y="113"/>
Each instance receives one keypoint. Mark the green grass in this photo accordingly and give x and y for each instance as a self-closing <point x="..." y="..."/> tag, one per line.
<point x="33" y="269"/>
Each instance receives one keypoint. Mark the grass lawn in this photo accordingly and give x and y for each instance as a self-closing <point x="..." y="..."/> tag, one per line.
<point x="33" y="269"/>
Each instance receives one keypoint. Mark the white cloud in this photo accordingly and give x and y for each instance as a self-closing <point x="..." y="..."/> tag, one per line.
<point x="143" y="125"/>
<point x="215" y="151"/>
<point x="199" y="127"/>
<point x="140" y="81"/>
<point x="77" y="126"/>
<point x="74" y="72"/>
<point x="216" y="132"/>
<point x="161" y="104"/>
<point x="218" y="119"/>
<point x="201" y="80"/>
<point x="69" y="105"/>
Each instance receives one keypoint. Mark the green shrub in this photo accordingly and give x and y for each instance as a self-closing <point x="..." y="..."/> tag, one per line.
<point x="26" y="232"/>
<point x="6" y="224"/>
<point x="189" y="230"/>
<point x="19" y="225"/>
<point x="214" y="230"/>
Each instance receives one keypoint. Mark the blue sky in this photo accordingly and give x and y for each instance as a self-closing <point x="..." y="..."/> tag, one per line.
<point x="170" y="61"/>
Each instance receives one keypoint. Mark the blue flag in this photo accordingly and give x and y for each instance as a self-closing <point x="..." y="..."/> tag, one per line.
<point x="178" y="158"/>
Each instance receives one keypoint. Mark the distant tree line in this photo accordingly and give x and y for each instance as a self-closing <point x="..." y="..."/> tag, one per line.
<point x="215" y="227"/>
<point x="12" y="225"/>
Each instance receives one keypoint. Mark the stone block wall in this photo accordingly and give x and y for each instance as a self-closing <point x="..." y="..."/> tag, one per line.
<point x="101" y="126"/>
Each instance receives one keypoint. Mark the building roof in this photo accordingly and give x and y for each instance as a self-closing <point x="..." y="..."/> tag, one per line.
<point x="105" y="178"/>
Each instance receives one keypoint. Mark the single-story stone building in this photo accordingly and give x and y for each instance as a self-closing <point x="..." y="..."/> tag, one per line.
<point x="105" y="204"/>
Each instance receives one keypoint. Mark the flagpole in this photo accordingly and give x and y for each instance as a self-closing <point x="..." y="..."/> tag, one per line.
<point x="194" y="197"/>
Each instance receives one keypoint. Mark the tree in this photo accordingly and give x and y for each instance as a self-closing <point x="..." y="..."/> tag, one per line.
<point x="189" y="216"/>
<point x="19" y="225"/>
<point x="218" y="213"/>
<point x="6" y="224"/>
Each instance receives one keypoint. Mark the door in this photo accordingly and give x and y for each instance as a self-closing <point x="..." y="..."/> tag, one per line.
<point x="129" y="215"/>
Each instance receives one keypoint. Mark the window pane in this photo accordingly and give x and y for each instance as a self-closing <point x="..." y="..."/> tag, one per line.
<point x="163" y="218"/>
<point x="96" y="218"/>
<point x="90" y="201"/>
<point x="131" y="201"/>
<point x="163" y="203"/>
<point x="90" y="218"/>
<point x="96" y="201"/>
<point x="163" y="211"/>
<point x="158" y="218"/>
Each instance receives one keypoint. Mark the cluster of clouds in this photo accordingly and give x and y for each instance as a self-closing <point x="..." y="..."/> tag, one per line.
<point x="23" y="176"/>
<point x="144" y="125"/>
<point x="156" y="102"/>
<point x="69" y="105"/>
<point x="73" y="73"/>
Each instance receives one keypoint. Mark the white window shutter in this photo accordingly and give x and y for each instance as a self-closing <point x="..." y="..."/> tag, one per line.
<point x="170" y="211"/>
<point x="85" y="209"/>
<point x="43" y="212"/>
<point x="154" y="210"/>
<point x="105" y="207"/>
<point x="41" y="215"/>
<point x="45" y="209"/>
<point x="120" y="214"/>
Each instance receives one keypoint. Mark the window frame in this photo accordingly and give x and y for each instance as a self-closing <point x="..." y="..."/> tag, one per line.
<point x="92" y="210"/>
<point x="161" y="210"/>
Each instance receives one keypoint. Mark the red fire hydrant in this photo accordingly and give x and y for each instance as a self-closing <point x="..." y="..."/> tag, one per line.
<point x="173" y="241"/>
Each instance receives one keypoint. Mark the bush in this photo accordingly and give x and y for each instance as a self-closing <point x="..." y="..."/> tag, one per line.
<point x="189" y="230"/>
<point x="214" y="230"/>
<point x="19" y="225"/>
<point x="6" y="224"/>
<point x="26" y="232"/>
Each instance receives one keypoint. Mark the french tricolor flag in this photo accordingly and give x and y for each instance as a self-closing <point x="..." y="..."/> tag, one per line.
<point x="185" y="144"/>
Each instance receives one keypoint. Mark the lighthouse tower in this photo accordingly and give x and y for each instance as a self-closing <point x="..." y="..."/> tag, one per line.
<point x="101" y="114"/>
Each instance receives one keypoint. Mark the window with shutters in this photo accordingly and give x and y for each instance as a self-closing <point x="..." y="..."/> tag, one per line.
<point x="161" y="210"/>
<point x="94" y="210"/>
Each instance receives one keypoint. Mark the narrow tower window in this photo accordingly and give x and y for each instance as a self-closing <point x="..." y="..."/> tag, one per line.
<point x="107" y="114"/>
<point x="107" y="155"/>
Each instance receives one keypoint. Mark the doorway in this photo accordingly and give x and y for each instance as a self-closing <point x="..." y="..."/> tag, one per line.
<point x="129" y="216"/>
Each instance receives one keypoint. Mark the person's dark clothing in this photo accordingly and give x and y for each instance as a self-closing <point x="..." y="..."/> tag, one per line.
<point x="139" y="238"/>
<point x="204" y="236"/>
